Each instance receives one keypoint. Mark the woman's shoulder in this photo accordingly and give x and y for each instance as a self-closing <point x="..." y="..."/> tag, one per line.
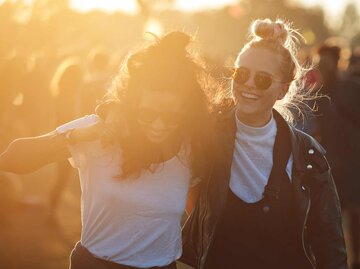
<point x="308" y="141"/>
<point x="310" y="155"/>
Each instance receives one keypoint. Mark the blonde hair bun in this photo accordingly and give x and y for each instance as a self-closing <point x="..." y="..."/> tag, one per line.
<point x="269" y="30"/>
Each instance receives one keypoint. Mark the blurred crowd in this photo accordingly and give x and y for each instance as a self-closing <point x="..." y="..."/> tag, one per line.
<point x="39" y="93"/>
<point x="336" y="124"/>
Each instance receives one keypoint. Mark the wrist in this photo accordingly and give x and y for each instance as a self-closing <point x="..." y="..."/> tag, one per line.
<point x="70" y="137"/>
<point x="67" y="136"/>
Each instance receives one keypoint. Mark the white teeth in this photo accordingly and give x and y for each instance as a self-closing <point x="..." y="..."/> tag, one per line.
<point x="249" y="95"/>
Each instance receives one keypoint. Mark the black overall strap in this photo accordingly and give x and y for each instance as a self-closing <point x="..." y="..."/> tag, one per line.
<point x="281" y="155"/>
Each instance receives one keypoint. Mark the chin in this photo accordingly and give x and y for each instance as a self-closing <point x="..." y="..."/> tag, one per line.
<point x="247" y="110"/>
<point x="157" y="139"/>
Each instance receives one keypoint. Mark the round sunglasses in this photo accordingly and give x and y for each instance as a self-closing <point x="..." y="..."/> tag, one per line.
<point x="169" y="118"/>
<point x="262" y="80"/>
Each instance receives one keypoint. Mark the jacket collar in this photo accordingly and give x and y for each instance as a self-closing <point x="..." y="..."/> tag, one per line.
<point x="299" y="146"/>
<point x="295" y="143"/>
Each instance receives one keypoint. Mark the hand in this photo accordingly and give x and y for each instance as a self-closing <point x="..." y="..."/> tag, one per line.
<point x="115" y="118"/>
<point x="105" y="132"/>
<point x="108" y="130"/>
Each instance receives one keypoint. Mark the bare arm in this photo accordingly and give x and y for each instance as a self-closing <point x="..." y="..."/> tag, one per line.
<point x="25" y="155"/>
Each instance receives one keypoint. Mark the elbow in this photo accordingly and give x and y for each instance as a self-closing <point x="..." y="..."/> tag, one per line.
<point x="9" y="160"/>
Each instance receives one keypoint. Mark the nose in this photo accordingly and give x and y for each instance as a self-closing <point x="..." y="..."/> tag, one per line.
<point x="250" y="83"/>
<point x="158" y="124"/>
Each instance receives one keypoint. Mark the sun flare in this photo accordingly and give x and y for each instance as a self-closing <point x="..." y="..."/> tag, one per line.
<point x="128" y="6"/>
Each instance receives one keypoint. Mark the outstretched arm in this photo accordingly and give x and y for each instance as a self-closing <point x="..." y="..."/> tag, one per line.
<point x="25" y="155"/>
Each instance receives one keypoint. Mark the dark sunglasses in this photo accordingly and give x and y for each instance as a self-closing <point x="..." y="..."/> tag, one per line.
<point x="262" y="80"/>
<point x="148" y="116"/>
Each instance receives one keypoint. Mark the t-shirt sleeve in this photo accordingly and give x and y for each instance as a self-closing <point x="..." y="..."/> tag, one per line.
<point x="82" y="151"/>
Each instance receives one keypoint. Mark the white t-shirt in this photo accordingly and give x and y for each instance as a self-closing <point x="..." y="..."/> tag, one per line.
<point x="133" y="222"/>
<point x="253" y="160"/>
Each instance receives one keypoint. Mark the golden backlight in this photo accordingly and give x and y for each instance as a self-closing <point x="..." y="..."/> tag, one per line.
<point x="330" y="7"/>
<point x="128" y="6"/>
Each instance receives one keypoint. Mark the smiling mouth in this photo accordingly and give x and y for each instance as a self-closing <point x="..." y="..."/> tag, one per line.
<point x="249" y="95"/>
<point x="156" y="133"/>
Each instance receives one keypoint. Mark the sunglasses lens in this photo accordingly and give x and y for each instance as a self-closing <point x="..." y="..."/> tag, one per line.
<point x="241" y="75"/>
<point x="146" y="115"/>
<point x="262" y="81"/>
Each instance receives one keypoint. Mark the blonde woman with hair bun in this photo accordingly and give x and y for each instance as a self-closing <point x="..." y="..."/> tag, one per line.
<point x="271" y="201"/>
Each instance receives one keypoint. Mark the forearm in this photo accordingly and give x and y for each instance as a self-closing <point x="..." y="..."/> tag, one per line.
<point x="25" y="155"/>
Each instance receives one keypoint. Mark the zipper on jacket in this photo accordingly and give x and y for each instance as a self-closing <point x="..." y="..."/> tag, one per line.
<point x="303" y="235"/>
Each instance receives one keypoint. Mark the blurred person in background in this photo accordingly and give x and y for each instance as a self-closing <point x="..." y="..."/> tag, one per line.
<point x="271" y="201"/>
<point x="353" y="70"/>
<point x="36" y="95"/>
<point x="137" y="158"/>
<point x="329" y="57"/>
<point x="331" y="135"/>
<point x="97" y="80"/>
<point x="348" y="100"/>
<point x="13" y="74"/>
<point x="65" y="86"/>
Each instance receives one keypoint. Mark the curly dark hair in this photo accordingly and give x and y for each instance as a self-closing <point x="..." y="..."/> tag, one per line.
<point x="166" y="65"/>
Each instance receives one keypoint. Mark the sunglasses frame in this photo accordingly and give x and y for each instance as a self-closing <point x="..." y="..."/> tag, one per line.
<point x="235" y="69"/>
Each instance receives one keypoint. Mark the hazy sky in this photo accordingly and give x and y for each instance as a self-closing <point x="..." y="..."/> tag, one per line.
<point x="333" y="8"/>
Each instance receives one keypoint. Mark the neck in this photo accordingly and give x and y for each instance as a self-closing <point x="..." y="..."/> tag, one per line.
<point x="169" y="148"/>
<point x="254" y="120"/>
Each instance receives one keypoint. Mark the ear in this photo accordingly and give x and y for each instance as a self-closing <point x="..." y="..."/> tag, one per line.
<point x="283" y="91"/>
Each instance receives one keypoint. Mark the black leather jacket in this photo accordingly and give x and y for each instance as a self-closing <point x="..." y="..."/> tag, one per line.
<point x="319" y="224"/>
